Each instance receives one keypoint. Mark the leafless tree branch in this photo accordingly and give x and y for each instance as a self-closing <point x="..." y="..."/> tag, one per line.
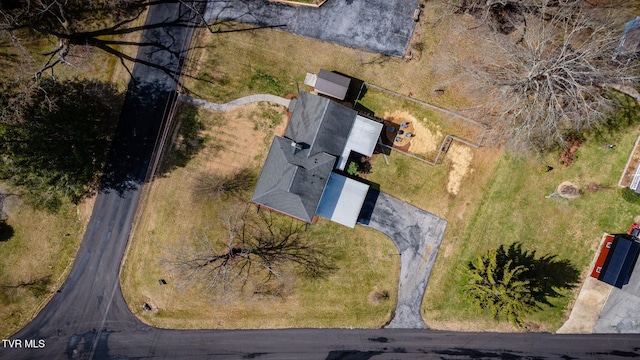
<point x="258" y="249"/>
<point x="551" y="81"/>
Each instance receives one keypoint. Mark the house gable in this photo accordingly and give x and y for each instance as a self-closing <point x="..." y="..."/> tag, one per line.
<point x="322" y="124"/>
<point x="292" y="183"/>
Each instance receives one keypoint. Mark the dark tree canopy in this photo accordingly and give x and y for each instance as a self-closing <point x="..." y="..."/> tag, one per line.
<point x="54" y="137"/>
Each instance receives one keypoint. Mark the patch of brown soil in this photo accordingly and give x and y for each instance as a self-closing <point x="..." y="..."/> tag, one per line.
<point x="448" y="250"/>
<point x="424" y="141"/>
<point x="85" y="208"/>
<point x="568" y="190"/>
<point x="461" y="157"/>
<point x="571" y="147"/>
<point x="377" y="296"/>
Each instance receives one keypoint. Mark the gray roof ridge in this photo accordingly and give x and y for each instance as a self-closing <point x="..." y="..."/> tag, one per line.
<point x="293" y="177"/>
<point x="324" y="112"/>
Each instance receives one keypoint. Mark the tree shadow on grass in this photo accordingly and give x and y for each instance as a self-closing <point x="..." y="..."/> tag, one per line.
<point x="56" y="138"/>
<point x="546" y="275"/>
<point x="187" y="139"/>
<point x="6" y="231"/>
<point x="627" y="115"/>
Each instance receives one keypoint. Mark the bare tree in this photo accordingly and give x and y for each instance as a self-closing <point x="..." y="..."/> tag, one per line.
<point x="102" y="25"/>
<point x="86" y="23"/>
<point x="259" y="249"/>
<point x="551" y="70"/>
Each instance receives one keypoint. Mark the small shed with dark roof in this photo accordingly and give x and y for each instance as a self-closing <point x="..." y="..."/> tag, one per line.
<point x="332" y="84"/>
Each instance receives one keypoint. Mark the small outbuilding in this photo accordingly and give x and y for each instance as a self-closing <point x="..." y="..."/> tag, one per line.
<point x="617" y="260"/>
<point x="329" y="83"/>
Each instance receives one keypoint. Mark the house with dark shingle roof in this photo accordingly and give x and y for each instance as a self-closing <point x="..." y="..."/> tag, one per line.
<point x="298" y="177"/>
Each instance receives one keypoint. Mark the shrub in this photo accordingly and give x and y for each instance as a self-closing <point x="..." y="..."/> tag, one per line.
<point x="352" y="168"/>
<point x="630" y="195"/>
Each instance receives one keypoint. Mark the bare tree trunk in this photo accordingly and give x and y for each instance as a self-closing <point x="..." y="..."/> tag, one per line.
<point x="258" y="251"/>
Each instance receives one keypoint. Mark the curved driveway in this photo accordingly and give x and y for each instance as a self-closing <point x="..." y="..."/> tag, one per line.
<point x="89" y="318"/>
<point x="417" y="235"/>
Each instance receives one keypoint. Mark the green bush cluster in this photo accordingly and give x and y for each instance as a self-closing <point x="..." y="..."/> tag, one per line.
<point x="630" y="195"/>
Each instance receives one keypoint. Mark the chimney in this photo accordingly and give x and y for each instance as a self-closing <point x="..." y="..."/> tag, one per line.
<point x="295" y="147"/>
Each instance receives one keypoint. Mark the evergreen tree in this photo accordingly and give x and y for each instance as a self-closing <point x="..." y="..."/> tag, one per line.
<point x="501" y="286"/>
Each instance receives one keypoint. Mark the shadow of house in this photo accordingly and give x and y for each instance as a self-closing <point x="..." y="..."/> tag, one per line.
<point x="300" y="176"/>
<point x="356" y="91"/>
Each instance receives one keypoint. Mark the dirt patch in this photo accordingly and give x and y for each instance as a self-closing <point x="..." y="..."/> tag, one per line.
<point x="85" y="209"/>
<point x="377" y="296"/>
<point x="571" y="147"/>
<point x="448" y="250"/>
<point x="461" y="157"/>
<point x="425" y="141"/>
<point x="242" y="137"/>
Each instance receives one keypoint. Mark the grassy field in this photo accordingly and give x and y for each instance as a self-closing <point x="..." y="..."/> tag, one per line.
<point x="35" y="260"/>
<point x="236" y="64"/>
<point x="366" y="261"/>
<point x="513" y="208"/>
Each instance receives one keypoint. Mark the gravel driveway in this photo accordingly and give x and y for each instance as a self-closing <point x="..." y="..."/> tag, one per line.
<point x="379" y="26"/>
<point x="417" y="234"/>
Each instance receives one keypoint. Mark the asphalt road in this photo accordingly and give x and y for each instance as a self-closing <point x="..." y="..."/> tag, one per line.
<point x="88" y="318"/>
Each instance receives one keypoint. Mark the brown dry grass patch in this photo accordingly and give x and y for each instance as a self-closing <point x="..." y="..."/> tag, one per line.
<point x="461" y="157"/>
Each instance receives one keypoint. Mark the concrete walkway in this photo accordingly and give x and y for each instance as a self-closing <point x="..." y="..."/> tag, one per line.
<point x="587" y="308"/>
<point x="417" y="234"/>
<point x="235" y="103"/>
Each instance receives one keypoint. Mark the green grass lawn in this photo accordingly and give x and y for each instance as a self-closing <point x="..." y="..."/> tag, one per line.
<point x="513" y="208"/>
<point x="35" y="260"/>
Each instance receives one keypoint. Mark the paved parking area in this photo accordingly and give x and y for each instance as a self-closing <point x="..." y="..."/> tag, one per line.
<point x="380" y="26"/>
<point x="417" y="235"/>
<point x="621" y="312"/>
